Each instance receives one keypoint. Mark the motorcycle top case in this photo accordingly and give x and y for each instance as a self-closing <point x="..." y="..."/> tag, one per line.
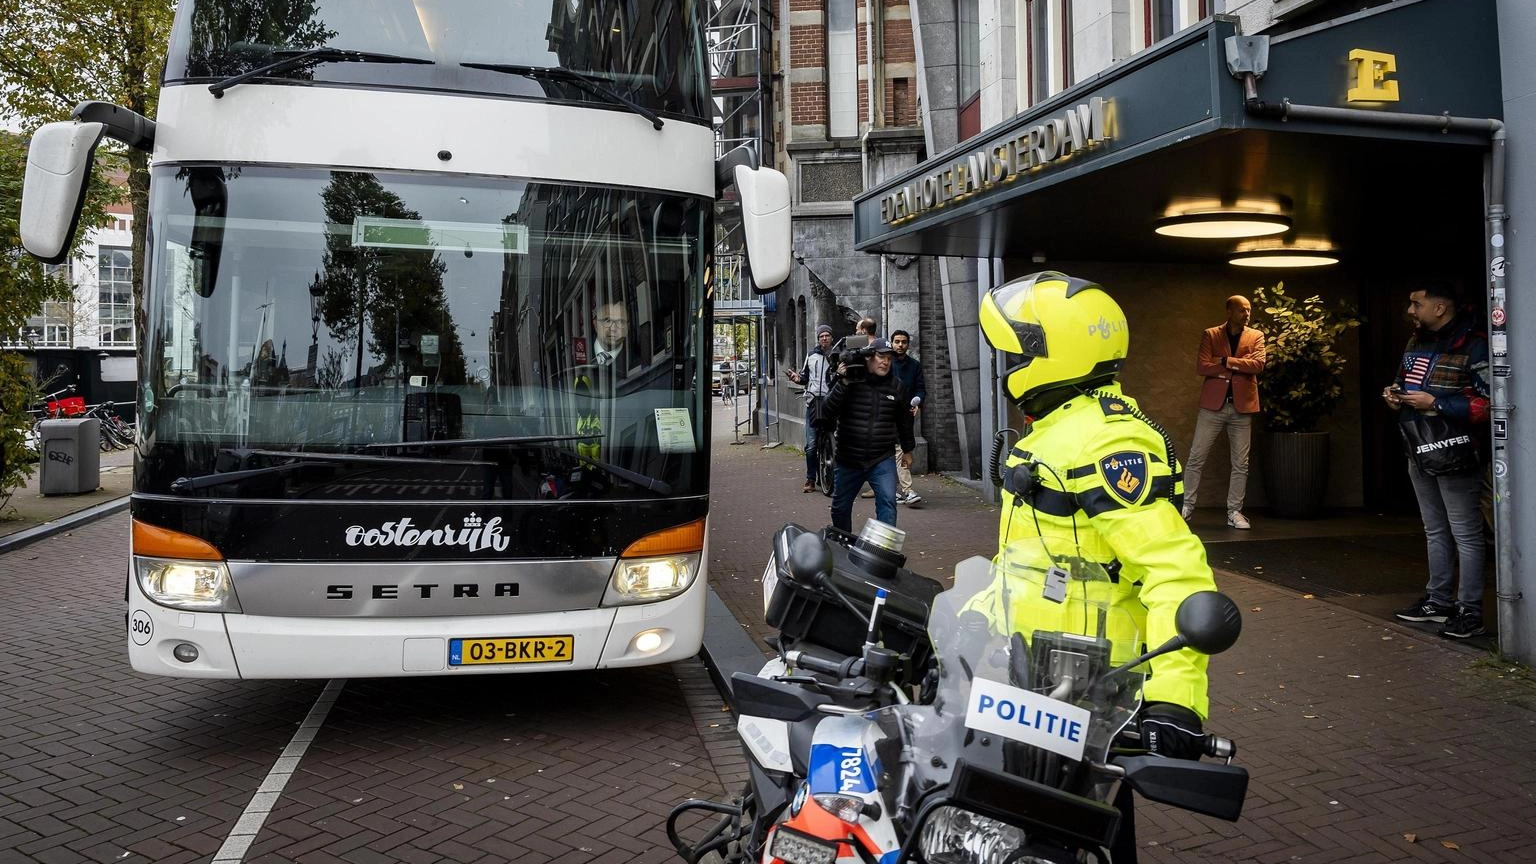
<point x="808" y="613"/>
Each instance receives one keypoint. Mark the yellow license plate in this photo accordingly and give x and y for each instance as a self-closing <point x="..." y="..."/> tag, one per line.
<point x="511" y="649"/>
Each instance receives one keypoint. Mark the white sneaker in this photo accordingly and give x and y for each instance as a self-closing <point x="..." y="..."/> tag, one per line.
<point x="909" y="497"/>
<point x="1189" y="511"/>
<point x="1235" y="520"/>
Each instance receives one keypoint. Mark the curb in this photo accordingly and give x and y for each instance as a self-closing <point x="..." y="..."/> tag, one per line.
<point x="727" y="648"/>
<point x="12" y="542"/>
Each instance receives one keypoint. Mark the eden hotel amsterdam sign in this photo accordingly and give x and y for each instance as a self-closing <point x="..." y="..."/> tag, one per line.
<point x="1002" y="161"/>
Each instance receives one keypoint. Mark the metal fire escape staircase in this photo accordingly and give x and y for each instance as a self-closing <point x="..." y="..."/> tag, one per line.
<point x="740" y="39"/>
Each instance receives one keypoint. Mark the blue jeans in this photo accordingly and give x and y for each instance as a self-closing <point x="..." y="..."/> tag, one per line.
<point x="810" y="448"/>
<point x="881" y="477"/>
<point x="1453" y="527"/>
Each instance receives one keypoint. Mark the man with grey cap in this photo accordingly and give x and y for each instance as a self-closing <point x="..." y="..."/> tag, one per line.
<point x="815" y="377"/>
<point x="873" y="416"/>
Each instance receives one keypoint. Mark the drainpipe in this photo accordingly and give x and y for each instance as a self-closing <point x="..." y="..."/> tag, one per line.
<point x="1247" y="57"/>
<point x="876" y="14"/>
<point x="874" y="29"/>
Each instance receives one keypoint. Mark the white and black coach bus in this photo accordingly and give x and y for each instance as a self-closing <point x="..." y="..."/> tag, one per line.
<point x="425" y="333"/>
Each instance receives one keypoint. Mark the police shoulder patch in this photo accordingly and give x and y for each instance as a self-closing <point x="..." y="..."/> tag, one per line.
<point x="1126" y="475"/>
<point x="1113" y="407"/>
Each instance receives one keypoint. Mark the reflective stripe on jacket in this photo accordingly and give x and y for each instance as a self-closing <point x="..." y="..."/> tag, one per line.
<point x="1104" y="473"/>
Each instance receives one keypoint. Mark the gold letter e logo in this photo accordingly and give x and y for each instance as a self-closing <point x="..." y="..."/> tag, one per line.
<point x="1369" y="70"/>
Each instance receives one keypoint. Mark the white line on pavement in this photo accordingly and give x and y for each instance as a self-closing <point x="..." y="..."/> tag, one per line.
<point x="249" y="824"/>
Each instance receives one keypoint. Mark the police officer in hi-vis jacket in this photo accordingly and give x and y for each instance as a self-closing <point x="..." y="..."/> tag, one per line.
<point x="1093" y="471"/>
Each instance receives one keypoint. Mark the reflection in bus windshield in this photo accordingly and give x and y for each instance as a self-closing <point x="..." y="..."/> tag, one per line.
<point x="341" y="312"/>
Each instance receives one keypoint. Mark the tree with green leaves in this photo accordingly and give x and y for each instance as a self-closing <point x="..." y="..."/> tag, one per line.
<point x="53" y="56"/>
<point x="24" y="287"/>
<point x="383" y="294"/>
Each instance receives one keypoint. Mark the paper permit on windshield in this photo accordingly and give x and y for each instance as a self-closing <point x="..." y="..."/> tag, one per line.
<point x="1031" y="718"/>
<point x="674" y="430"/>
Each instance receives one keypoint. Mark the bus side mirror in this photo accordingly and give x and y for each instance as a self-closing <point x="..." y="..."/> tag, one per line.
<point x="59" y="162"/>
<point x="210" y="201"/>
<point x="765" y="220"/>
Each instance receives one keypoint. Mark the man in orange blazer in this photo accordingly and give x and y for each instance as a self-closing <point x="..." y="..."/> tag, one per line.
<point x="1231" y="358"/>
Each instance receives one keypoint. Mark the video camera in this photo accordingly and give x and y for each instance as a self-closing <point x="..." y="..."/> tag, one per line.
<point x="852" y="350"/>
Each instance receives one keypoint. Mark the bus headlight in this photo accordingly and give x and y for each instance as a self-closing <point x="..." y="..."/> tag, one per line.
<point x="646" y="580"/>
<point x="202" y="586"/>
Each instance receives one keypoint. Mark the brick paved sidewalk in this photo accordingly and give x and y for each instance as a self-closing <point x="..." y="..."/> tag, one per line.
<point x="1357" y="732"/>
<point x="28" y="508"/>
<point x="100" y="764"/>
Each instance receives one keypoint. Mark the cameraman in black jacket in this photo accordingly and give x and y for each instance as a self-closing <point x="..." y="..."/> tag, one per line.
<point x="873" y="416"/>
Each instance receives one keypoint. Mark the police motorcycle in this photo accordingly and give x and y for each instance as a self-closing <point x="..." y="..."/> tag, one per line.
<point x="852" y="639"/>
<point x="1023" y="735"/>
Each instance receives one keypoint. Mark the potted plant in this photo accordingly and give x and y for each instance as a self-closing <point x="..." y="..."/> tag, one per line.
<point x="1303" y="380"/>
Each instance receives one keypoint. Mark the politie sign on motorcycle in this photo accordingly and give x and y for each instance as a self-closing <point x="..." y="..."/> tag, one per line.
<point x="1037" y="720"/>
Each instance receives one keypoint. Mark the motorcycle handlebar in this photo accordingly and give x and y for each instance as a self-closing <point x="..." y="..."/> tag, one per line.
<point x="1218" y="747"/>
<point x="1211" y="745"/>
<point x="843" y="668"/>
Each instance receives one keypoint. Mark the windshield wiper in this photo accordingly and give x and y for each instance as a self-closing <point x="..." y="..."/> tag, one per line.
<point x="581" y="79"/>
<point x="660" y="487"/>
<point x="301" y="459"/>
<point x="293" y="58"/>
<point x="510" y="441"/>
<point x="643" y="481"/>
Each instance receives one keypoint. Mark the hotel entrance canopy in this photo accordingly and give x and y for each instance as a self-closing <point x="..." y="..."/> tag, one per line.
<point x="1092" y="172"/>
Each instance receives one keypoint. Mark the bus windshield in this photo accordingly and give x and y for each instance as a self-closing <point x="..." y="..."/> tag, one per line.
<point x="439" y="338"/>
<point x="649" y="51"/>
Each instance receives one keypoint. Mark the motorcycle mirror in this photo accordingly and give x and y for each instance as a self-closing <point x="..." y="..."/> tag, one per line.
<point x="809" y="557"/>
<point x="1208" y="622"/>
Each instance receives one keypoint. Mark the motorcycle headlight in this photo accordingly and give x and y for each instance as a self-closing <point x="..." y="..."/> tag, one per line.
<point x="200" y="586"/>
<point x="957" y="836"/>
<point x="646" y="580"/>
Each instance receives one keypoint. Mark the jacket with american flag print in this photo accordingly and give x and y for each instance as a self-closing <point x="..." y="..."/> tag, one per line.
<point x="1450" y="364"/>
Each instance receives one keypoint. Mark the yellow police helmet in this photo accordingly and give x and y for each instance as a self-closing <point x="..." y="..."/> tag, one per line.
<point x="1056" y="331"/>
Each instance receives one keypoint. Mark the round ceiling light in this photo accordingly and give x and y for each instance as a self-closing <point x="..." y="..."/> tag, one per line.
<point x="1223" y="224"/>
<point x="1284" y="257"/>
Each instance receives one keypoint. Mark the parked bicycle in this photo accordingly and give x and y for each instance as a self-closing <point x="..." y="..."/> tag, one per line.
<point x="116" y="433"/>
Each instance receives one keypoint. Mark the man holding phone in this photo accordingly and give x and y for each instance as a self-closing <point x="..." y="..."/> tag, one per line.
<point x="1445" y="371"/>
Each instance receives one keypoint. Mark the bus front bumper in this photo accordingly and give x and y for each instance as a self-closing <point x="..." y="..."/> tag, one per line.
<point x="176" y="643"/>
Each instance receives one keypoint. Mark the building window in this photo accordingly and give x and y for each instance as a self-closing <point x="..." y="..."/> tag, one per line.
<point x="1162" y="19"/>
<point x="51" y="328"/>
<point x="1062" y="21"/>
<point x="842" y="69"/>
<point x="1048" y="39"/>
<point x="114" y="271"/>
<point x="968" y="66"/>
<point x="802" y="347"/>
<point x="54" y="327"/>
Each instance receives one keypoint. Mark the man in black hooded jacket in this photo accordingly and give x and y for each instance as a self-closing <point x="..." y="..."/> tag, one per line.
<point x="872" y="418"/>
